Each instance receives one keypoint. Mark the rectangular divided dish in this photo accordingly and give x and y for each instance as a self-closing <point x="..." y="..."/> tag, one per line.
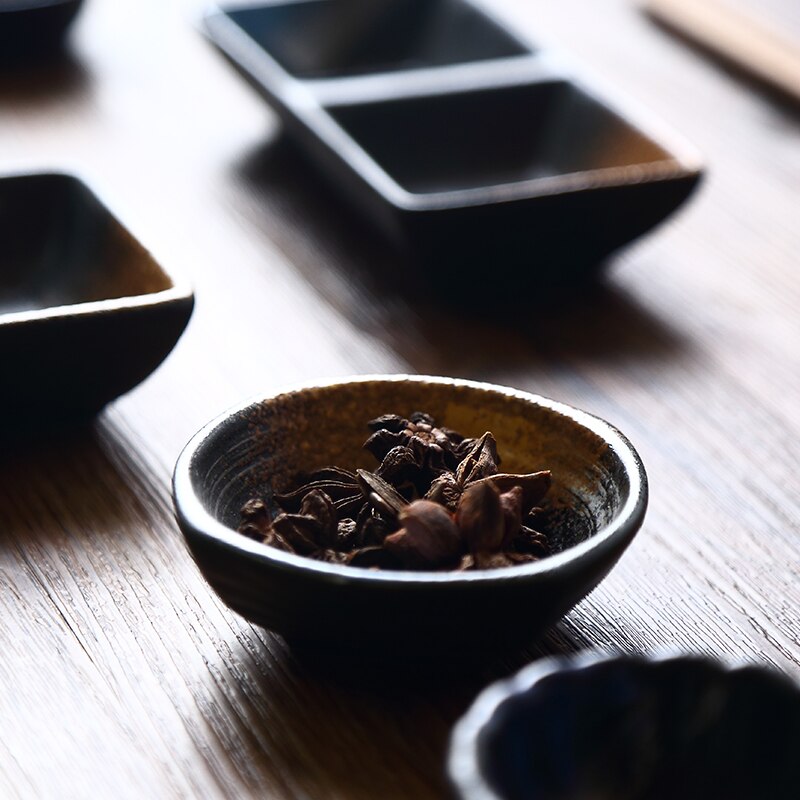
<point x="466" y="146"/>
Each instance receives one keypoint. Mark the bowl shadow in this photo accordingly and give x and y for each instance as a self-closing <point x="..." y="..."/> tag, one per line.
<point x="437" y="328"/>
<point x="398" y="726"/>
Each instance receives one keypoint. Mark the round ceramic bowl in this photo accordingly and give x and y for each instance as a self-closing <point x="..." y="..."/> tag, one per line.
<point x="624" y="728"/>
<point x="595" y="506"/>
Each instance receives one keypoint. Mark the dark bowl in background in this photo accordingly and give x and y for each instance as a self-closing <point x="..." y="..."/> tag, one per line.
<point x="596" y="506"/>
<point x="611" y="727"/>
<point x="86" y="312"/>
<point x="31" y="29"/>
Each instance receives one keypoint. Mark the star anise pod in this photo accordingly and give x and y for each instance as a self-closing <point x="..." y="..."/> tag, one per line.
<point x="471" y="516"/>
<point x="432" y="447"/>
<point x="480" y="465"/>
<point x="256" y="519"/>
<point x="428" y="537"/>
<point x="489" y="521"/>
<point x="339" y="484"/>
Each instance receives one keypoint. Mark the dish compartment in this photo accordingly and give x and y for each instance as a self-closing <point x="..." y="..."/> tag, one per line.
<point x="321" y="39"/>
<point x="466" y="150"/>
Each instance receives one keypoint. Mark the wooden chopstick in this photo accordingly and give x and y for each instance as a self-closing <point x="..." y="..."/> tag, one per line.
<point x="743" y="39"/>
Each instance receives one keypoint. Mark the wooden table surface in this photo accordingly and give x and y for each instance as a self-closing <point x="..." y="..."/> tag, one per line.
<point x="121" y="673"/>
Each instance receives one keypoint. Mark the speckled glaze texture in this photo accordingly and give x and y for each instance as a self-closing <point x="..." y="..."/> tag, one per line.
<point x="594" y="509"/>
<point x="621" y="728"/>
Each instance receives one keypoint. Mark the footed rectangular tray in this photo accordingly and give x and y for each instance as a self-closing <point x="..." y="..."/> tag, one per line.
<point x="466" y="146"/>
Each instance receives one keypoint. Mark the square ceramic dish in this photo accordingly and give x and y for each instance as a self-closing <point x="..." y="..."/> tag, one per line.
<point x="86" y="313"/>
<point x="464" y="145"/>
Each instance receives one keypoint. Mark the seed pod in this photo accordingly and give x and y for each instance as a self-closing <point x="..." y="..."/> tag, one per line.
<point x="511" y="503"/>
<point x="399" y="464"/>
<point x="532" y="542"/>
<point x="445" y="491"/>
<point x="534" y="485"/>
<point x="319" y="506"/>
<point x="298" y="531"/>
<point x="256" y="519"/>
<point x="388" y="422"/>
<point x="428" y="538"/>
<point x="382" y="441"/>
<point x="274" y="539"/>
<point x="480" y="518"/>
<point x="373" y="558"/>
<point x="382" y="495"/>
<point x="481" y="461"/>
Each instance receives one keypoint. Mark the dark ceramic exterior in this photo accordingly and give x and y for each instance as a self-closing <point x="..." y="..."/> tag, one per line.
<point x="33" y="28"/>
<point x="86" y="313"/>
<point x="634" y="728"/>
<point x="544" y="176"/>
<point x="263" y="444"/>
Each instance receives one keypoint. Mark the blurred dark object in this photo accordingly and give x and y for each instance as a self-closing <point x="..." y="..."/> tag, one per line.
<point x="759" y="37"/>
<point x="85" y="311"/>
<point x="33" y="29"/>
<point x="631" y="728"/>
<point x="465" y="151"/>
<point x="329" y="38"/>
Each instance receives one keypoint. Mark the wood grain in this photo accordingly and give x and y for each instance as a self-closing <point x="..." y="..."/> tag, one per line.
<point x="760" y="40"/>
<point x="122" y="673"/>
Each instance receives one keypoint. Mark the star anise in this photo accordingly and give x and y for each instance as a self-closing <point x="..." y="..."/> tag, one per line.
<point x="340" y="485"/>
<point x="480" y="466"/>
<point x="436" y="501"/>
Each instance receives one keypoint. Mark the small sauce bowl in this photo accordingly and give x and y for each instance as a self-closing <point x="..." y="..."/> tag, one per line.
<point x="598" y="499"/>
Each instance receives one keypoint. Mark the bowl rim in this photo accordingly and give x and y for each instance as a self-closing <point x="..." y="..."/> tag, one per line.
<point x="195" y="521"/>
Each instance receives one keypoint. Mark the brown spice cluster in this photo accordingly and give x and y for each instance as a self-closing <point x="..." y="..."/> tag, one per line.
<point x="437" y="501"/>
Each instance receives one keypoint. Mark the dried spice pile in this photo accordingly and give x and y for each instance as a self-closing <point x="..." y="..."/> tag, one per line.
<point x="437" y="501"/>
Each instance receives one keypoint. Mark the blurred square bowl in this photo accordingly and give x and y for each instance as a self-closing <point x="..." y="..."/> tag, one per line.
<point x="86" y="313"/>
